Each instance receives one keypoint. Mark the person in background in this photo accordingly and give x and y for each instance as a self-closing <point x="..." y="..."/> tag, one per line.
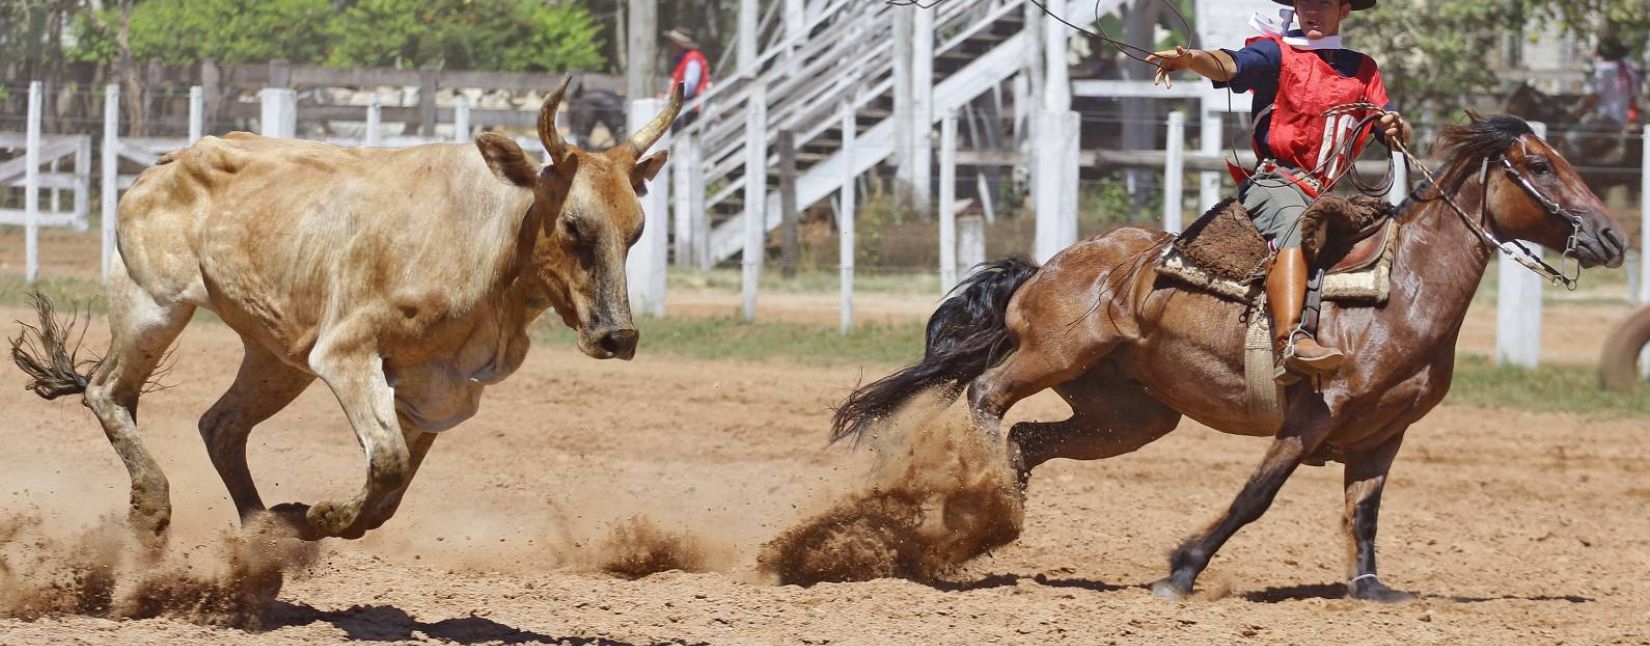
<point x="692" y="71"/>
<point x="1615" y="86"/>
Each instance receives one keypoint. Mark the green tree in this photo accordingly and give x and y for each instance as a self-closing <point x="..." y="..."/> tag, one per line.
<point x="1434" y="53"/>
<point x="505" y="35"/>
<point x="181" y="32"/>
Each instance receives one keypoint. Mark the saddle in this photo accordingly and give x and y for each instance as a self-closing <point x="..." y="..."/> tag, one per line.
<point x="1353" y="239"/>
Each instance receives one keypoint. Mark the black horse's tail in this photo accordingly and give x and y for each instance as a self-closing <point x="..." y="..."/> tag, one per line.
<point x="46" y="358"/>
<point x="966" y="335"/>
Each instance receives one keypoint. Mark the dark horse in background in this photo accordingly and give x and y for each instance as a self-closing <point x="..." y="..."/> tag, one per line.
<point x="1612" y="155"/>
<point x="587" y="108"/>
<point x="1132" y="353"/>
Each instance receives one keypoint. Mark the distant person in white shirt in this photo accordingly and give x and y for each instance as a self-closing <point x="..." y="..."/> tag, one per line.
<point x="692" y="71"/>
<point x="1615" y="86"/>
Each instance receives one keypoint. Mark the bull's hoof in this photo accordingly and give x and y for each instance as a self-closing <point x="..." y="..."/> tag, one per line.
<point x="296" y="516"/>
<point x="333" y="519"/>
<point x="1371" y="589"/>
<point x="1168" y="590"/>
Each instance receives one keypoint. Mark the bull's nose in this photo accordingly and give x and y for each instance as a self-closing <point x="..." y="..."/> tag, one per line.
<point x="619" y="342"/>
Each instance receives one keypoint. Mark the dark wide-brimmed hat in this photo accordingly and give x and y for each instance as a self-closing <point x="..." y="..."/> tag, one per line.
<point x="1357" y="5"/>
<point x="682" y="36"/>
<point x="1611" y="48"/>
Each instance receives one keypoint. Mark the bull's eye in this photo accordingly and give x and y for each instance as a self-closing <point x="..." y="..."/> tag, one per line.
<point x="572" y="232"/>
<point x="1540" y="166"/>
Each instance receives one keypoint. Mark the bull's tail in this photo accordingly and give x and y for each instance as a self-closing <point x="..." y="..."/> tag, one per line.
<point x="43" y="353"/>
<point x="966" y="335"/>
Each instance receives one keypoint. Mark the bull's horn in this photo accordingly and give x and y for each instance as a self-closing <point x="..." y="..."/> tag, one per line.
<point x="548" y="135"/>
<point x="649" y="134"/>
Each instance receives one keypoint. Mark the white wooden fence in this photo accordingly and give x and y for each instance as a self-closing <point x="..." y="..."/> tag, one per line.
<point x="961" y="242"/>
<point x="50" y="151"/>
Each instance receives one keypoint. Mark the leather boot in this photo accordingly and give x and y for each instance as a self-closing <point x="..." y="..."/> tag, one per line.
<point x="1286" y="295"/>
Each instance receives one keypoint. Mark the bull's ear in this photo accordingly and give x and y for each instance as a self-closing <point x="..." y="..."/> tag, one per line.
<point x="646" y="169"/>
<point x="507" y="160"/>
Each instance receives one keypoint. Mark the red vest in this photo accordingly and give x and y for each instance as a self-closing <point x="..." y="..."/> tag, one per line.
<point x="680" y="75"/>
<point x="1299" y="134"/>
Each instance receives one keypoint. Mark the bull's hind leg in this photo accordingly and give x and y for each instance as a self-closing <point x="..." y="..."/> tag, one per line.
<point x="141" y="329"/>
<point x="1365" y="477"/>
<point x="1109" y="417"/>
<point x="263" y="387"/>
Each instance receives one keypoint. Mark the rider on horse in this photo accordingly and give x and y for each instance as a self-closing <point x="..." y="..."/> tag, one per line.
<point x="1305" y="138"/>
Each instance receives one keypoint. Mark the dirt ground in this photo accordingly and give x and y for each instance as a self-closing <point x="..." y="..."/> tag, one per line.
<point x="1514" y="527"/>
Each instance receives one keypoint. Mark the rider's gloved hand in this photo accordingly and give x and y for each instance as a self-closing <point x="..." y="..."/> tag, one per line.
<point x="1395" y="129"/>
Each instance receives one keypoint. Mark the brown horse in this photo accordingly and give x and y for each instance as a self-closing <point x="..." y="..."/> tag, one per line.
<point x="1131" y="353"/>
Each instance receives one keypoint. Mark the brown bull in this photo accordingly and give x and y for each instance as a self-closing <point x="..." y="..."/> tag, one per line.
<point x="404" y="279"/>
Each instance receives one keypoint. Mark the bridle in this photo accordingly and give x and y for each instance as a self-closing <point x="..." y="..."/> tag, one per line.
<point x="1483" y="226"/>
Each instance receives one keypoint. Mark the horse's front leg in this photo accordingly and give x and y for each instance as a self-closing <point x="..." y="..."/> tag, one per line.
<point x="1294" y="442"/>
<point x="1365" y="478"/>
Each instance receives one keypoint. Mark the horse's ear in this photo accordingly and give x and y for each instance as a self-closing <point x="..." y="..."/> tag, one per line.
<point x="1474" y="116"/>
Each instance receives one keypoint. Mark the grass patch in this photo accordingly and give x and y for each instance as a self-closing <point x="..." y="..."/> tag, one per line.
<point x="727" y="338"/>
<point x="1549" y="388"/>
<point x="809" y="281"/>
<point x="66" y="293"/>
<point x="1478" y="381"/>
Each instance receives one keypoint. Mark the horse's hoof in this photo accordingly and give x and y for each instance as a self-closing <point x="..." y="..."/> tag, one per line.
<point x="296" y="516"/>
<point x="1167" y="590"/>
<point x="1371" y="589"/>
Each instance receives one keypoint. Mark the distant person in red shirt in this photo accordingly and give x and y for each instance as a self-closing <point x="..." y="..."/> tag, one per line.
<point x="692" y="71"/>
<point x="1296" y="75"/>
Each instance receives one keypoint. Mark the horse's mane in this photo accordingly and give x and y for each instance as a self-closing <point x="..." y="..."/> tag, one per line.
<point x="1466" y="145"/>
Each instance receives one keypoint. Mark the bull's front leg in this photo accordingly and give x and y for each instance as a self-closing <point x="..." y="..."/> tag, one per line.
<point x="418" y="445"/>
<point x="354" y="372"/>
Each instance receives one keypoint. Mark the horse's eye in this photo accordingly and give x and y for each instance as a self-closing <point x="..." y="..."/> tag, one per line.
<point x="1540" y="167"/>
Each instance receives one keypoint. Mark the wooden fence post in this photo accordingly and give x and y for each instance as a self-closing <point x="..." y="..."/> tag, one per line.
<point x="756" y="195"/>
<point x="845" y="215"/>
<point x="789" y="236"/>
<point x="31" y="184"/>
<point x="1518" y="306"/>
<point x="948" y="201"/>
<point x="111" y="170"/>
<point x="1174" y="172"/>
<point x="197" y="113"/>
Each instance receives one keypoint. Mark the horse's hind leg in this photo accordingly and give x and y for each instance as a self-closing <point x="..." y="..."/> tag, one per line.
<point x="1365" y="477"/>
<point x="142" y="330"/>
<point x="1109" y="417"/>
<point x="1297" y="440"/>
<point x="264" y="386"/>
<point x="1036" y="365"/>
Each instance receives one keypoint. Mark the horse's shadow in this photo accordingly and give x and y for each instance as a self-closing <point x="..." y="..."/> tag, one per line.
<point x="1301" y="592"/>
<point x="389" y="623"/>
<point x="1009" y="580"/>
<point x="1277" y="594"/>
